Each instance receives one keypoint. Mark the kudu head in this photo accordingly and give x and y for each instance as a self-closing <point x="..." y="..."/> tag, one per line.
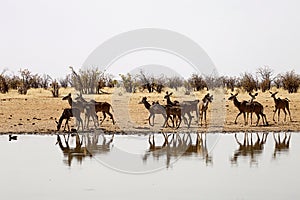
<point x="233" y="96"/>
<point x="273" y="94"/>
<point x="67" y="97"/>
<point x="253" y="96"/>
<point x="144" y="100"/>
<point x="168" y="95"/>
<point x="208" y="98"/>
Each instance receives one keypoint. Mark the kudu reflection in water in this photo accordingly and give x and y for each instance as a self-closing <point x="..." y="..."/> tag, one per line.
<point x="85" y="146"/>
<point x="248" y="148"/>
<point x="281" y="145"/>
<point x="95" y="146"/>
<point x="175" y="146"/>
<point x="79" y="152"/>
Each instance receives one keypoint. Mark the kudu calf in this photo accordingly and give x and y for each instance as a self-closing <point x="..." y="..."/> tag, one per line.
<point x="281" y="104"/>
<point x="203" y="107"/>
<point x="66" y="115"/>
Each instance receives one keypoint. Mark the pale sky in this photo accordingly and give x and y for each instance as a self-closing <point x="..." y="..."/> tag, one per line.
<point x="49" y="36"/>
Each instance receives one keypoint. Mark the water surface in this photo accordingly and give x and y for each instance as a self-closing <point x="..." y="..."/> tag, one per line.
<point x="129" y="167"/>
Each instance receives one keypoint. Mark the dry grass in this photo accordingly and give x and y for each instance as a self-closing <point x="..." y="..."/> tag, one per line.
<point x="36" y="112"/>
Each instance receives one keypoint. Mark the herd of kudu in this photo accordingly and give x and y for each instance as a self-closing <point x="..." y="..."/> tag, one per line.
<point x="251" y="106"/>
<point x="173" y="111"/>
<point x="89" y="108"/>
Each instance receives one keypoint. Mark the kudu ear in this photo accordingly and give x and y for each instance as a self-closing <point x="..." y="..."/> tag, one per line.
<point x="275" y="93"/>
<point x="56" y="122"/>
<point x="270" y="92"/>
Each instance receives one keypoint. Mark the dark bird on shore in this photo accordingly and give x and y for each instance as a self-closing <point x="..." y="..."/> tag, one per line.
<point x="12" y="137"/>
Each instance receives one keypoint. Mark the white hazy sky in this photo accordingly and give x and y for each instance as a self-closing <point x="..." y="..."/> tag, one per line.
<point x="48" y="36"/>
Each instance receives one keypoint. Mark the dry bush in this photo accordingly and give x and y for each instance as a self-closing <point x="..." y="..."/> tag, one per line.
<point x="3" y="84"/>
<point x="129" y="82"/>
<point x="291" y="81"/>
<point x="197" y="82"/>
<point x="175" y="82"/>
<point x="230" y="82"/>
<point x="64" y="82"/>
<point x="54" y="88"/>
<point x="248" y="82"/>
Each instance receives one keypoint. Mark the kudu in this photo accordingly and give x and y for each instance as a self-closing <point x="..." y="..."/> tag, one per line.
<point x="66" y="115"/>
<point x="248" y="107"/>
<point x="186" y="107"/>
<point x="89" y="111"/>
<point x="79" y="152"/>
<point x="203" y="107"/>
<point x="153" y="109"/>
<point x="281" y="104"/>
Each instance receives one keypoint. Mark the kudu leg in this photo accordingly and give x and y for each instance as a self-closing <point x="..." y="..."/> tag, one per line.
<point x="288" y="109"/>
<point x="258" y="117"/>
<point x="284" y="114"/>
<point x="274" y="114"/>
<point x="201" y="118"/>
<point x="111" y="117"/>
<point x="237" y="117"/>
<point x="104" y="116"/>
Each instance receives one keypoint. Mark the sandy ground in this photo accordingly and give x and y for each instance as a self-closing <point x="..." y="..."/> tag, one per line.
<point x="37" y="112"/>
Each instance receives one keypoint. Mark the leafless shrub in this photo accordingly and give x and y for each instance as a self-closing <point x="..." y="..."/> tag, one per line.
<point x="13" y="82"/>
<point x="197" y="82"/>
<point x="248" y="82"/>
<point x="64" y="82"/>
<point x="175" y="82"/>
<point x="278" y="81"/>
<point x="129" y="82"/>
<point x="291" y="81"/>
<point x="54" y="88"/>
<point x="230" y="82"/>
<point x="86" y="80"/>
<point x="3" y="84"/>
<point x="26" y="76"/>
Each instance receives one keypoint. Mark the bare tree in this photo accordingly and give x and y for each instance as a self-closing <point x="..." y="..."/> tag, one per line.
<point x="265" y="73"/>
